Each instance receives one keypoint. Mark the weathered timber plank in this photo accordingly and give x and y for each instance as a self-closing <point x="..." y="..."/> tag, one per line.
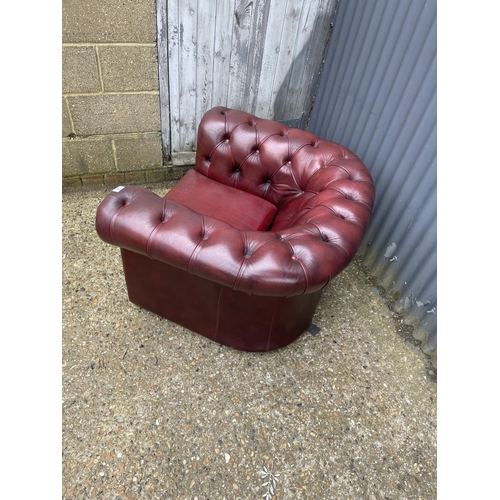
<point x="173" y="38"/>
<point x="205" y="58"/>
<point x="270" y="54"/>
<point x="162" y="47"/>
<point x="222" y="50"/>
<point x="312" y="37"/>
<point x="188" y="85"/>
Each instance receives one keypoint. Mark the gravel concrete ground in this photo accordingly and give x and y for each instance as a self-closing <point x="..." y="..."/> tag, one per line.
<point x="154" y="411"/>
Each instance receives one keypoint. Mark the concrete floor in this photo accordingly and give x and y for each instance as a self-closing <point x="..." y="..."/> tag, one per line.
<point x="154" y="411"/>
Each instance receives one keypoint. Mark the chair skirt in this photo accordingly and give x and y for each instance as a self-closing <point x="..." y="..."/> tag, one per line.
<point x="232" y="318"/>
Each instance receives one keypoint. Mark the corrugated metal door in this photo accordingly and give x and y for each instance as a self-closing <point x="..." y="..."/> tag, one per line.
<point x="377" y="96"/>
<point x="261" y="56"/>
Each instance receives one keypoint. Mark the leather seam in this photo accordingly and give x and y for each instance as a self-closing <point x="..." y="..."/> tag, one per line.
<point x="196" y="248"/>
<point x="155" y="230"/>
<point x="329" y="243"/>
<point x="306" y="281"/>
<point x="240" y="270"/>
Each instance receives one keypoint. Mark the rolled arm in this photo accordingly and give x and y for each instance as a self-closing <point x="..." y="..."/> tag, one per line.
<point x="300" y="259"/>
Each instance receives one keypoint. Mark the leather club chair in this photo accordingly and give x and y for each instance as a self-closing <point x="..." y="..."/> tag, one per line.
<point x="240" y="249"/>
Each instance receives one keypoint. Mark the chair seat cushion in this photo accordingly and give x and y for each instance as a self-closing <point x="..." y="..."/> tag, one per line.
<point x="240" y="209"/>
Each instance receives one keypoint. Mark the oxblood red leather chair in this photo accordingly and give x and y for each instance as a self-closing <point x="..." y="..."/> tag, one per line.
<point x="240" y="249"/>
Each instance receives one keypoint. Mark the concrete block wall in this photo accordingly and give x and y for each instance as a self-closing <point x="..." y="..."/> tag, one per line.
<point x="110" y="93"/>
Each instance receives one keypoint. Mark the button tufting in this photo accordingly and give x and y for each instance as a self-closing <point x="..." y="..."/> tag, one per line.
<point x="296" y="224"/>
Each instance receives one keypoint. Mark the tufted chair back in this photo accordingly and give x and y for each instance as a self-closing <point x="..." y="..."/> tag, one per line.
<point x="307" y="178"/>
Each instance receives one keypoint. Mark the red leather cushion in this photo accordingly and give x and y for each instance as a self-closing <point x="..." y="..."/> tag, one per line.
<point x="240" y="209"/>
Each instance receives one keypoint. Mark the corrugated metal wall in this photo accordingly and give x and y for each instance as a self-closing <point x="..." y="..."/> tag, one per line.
<point x="377" y="96"/>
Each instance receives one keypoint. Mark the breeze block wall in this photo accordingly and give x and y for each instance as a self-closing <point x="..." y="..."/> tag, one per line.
<point x="110" y="93"/>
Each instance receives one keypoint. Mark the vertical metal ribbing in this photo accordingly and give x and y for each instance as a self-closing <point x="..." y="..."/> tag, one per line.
<point x="377" y="96"/>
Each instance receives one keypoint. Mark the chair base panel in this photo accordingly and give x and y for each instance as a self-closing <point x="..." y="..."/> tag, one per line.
<point x="232" y="318"/>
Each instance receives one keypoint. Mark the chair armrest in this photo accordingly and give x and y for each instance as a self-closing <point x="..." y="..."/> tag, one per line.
<point x="292" y="261"/>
